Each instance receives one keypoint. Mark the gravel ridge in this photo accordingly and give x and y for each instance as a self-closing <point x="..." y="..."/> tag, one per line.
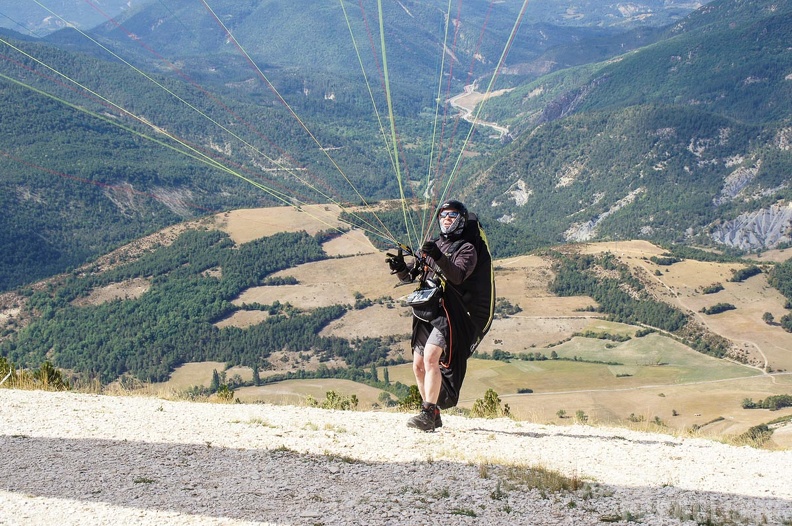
<point x="71" y="458"/>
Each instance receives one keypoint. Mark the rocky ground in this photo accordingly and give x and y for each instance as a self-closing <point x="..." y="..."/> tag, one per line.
<point x="69" y="458"/>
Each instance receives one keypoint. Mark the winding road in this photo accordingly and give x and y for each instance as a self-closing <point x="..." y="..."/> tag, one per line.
<point x="466" y="104"/>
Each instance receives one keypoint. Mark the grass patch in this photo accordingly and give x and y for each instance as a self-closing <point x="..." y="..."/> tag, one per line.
<point x="546" y="481"/>
<point x="707" y="514"/>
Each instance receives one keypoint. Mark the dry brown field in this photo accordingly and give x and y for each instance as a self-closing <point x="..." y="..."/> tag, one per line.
<point x="681" y="285"/>
<point x="296" y="392"/>
<point x="657" y="377"/>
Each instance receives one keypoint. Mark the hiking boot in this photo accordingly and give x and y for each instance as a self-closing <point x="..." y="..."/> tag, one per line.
<point x="425" y="420"/>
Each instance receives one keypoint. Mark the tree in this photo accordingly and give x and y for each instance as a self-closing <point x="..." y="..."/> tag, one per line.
<point x="768" y="318"/>
<point x="215" y="383"/>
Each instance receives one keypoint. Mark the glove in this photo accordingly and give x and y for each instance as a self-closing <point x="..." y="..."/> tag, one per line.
<point x="396" y="262"/>
<point x="431" y="249"/>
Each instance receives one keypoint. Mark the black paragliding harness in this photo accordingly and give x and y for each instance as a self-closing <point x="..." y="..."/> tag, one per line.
<point x="425" y="301"/>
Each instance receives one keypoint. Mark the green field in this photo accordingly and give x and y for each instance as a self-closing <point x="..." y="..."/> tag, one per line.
<point x="651" y="360"/>
<point x="668" y="382"/>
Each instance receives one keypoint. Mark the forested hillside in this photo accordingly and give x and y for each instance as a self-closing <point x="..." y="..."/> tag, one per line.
<point x="83" y="171"/>
<point x="619" y="128"/>
<point x="192" y="283"/>
<point x="686" y="140"/>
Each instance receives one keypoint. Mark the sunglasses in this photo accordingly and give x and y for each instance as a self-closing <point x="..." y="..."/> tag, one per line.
<point x="453" y="214"/>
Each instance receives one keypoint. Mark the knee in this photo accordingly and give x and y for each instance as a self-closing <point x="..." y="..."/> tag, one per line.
<point x="419" y="367"/>
<point x="431" y="361"/>
<point x="431" y="366"/>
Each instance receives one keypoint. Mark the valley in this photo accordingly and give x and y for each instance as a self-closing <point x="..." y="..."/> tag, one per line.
<point x="652" y="381"/>
<point x="605" y="140"/>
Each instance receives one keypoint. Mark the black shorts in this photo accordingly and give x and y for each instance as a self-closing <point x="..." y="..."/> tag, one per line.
<point x="428" y="334"/>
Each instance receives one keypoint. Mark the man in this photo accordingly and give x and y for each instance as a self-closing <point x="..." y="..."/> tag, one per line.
<point x="440" y="338"/>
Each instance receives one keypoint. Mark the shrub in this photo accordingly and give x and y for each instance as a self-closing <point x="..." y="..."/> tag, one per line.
<point x="757" y="435"/>
<point x="773" y="403"/>
<point x="718" y="308"/>
<point x="490" y="406"/>
<point x="225" y="394"/>
<point x="50" y="378"/>
<point x="745" y="273"/>
<point x="334" y="400"/>
<point x="412" y="401"/>
<point x="664" y="260"/>
<point x="712" y="289"/>
<point x="504" y="308"/>
<point x="385" y="399"/>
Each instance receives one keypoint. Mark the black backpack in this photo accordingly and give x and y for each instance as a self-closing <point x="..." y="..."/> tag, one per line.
<point x="478" y="290"/>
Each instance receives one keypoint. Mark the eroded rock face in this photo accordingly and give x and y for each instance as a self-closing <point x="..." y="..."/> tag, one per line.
<point x="765" y="228"/>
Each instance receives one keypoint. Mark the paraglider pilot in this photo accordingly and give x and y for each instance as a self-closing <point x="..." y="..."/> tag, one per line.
<point x="442" y="330"/>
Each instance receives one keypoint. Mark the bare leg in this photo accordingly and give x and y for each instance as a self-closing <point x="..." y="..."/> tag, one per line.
<point x="429" y="379"/>
<point x="432" y="379"/>
<point x="427" y="372"/>
<point x="420" y="373"/>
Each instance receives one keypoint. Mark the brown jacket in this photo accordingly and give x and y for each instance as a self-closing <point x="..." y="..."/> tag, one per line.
<point x="456" y="267"/>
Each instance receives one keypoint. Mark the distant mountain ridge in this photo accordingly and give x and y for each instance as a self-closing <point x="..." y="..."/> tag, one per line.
<point x="31" y="18"/>
<point x="674" y="141"/>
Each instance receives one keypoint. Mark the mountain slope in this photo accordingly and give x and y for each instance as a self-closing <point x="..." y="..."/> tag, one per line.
<point x="95" y="154"/>
<point x="38" y="19"/>
<point x="220" y="104"/>
<point x="668" y="142"/>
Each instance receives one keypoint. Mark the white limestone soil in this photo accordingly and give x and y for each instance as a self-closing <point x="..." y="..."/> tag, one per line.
<point x="68" y="458"/>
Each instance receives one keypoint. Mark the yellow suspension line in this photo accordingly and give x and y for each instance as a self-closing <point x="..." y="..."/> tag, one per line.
<point x="426" y="220"/>
<point x="293" y="113"/>
<point x="391" y="116"/>
<point x="277" y="163"/>
<point x="394" y="160"/>
<point x="288" y="169"/>
<point x="368" y="86"/>
<point x="191" y="152"/>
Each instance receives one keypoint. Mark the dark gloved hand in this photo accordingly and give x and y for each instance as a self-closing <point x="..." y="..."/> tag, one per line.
<point x="396" y="262"/>
<point x="431" y="249"/>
